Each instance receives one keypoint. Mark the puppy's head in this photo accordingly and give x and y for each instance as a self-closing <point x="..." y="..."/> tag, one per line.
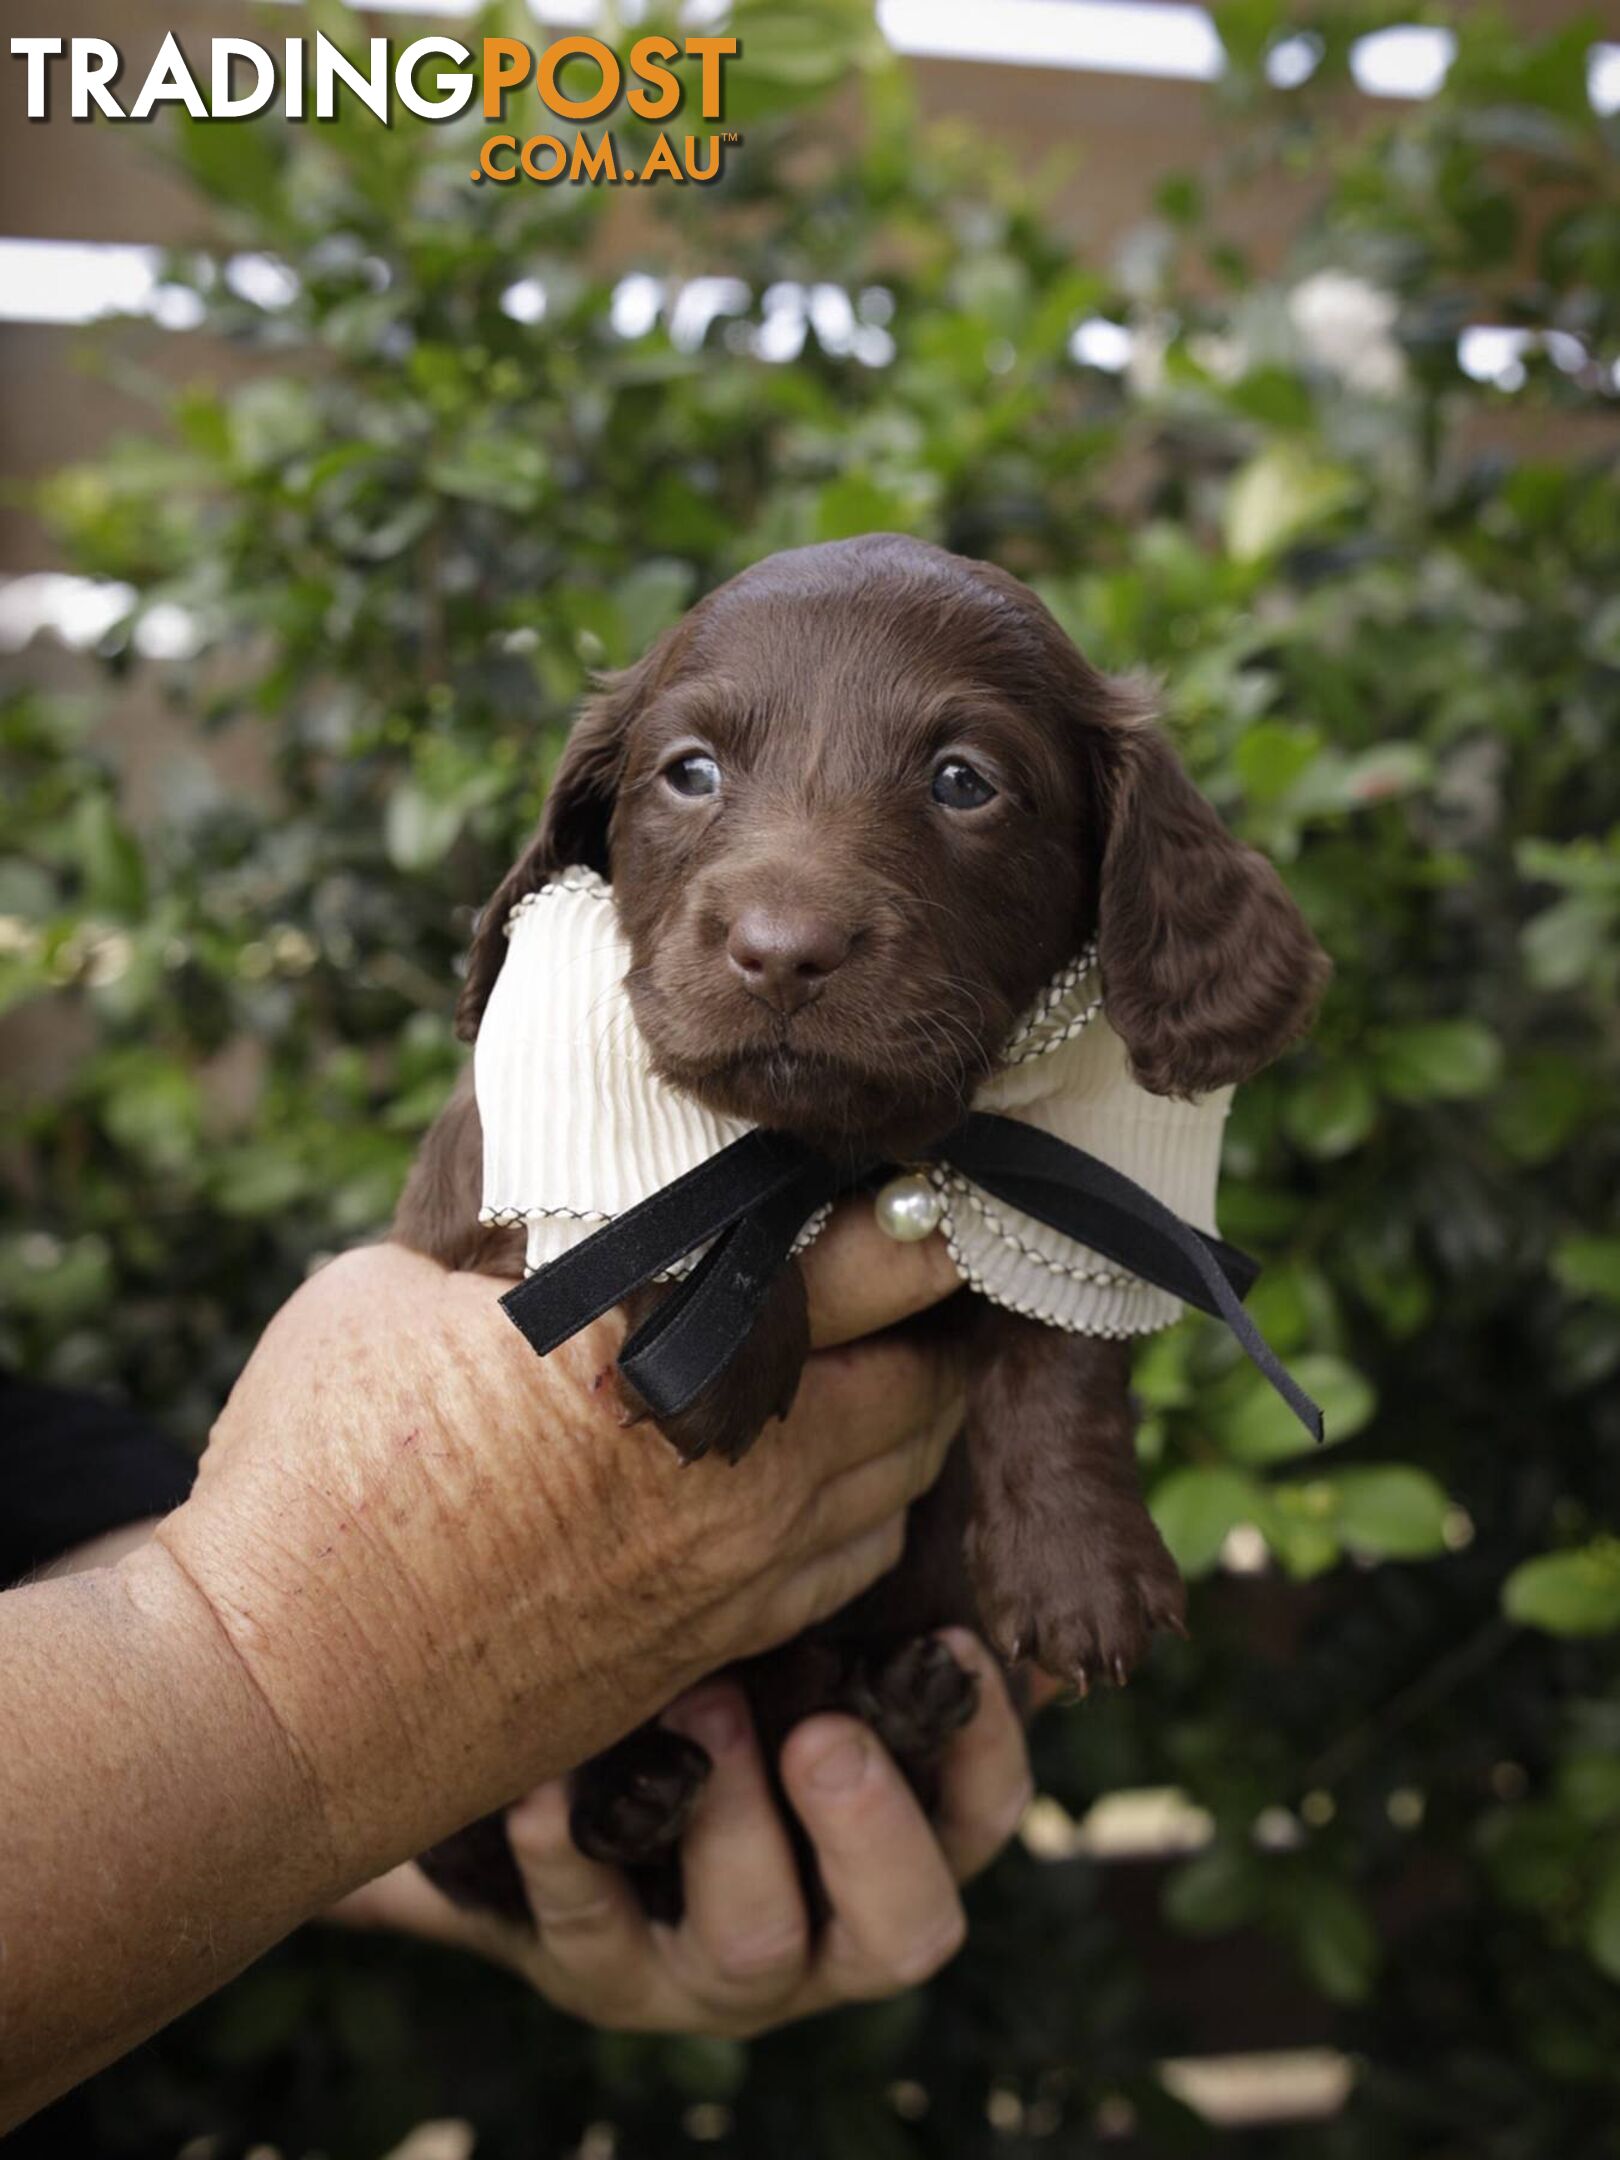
<point x="857" y="808"/>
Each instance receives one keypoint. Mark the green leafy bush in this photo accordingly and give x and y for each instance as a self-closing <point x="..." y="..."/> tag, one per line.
<point x="1380" y="596"/>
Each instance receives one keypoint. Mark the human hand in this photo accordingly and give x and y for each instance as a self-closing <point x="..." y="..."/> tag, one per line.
<point x="451" y="1572"/>
<point x="743" y="1958"/>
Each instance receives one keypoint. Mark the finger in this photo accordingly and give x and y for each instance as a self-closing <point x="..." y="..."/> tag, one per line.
<point x="856" y="1403"/>
<point x="896" y="1916"/>
<point x="589" y="1923"/>
<point x="824" y="1585"/>
<point x="857" y="1500"/>
<point x="858" y="1281"/>
<point x="745" y="1939"/>
<point x="985" y="1783"/>
<point x="405" y="1901"/>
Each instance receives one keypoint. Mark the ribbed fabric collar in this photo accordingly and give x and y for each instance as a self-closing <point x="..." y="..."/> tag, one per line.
<point x="578" y="1127"/>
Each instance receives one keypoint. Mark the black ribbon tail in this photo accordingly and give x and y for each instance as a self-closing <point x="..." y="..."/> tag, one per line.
<point x="698" y="1330"/>
<point x="749" y="1203"/>
<point x="1098" y="1206"/>
<point x="751" y="1199"/>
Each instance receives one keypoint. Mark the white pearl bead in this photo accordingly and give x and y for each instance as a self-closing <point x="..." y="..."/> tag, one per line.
<point x="908" y="1209"/>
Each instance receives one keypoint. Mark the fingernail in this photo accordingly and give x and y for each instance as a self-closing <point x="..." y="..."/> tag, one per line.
<point x="966" y="1648"/>
<point x="841" y="1767"/>
<point x="715" y="1722"/>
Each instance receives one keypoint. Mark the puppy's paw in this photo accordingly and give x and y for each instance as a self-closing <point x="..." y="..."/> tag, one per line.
<point x="758" y="1385"/>
<point x="914" y="1699"/>
<point x="726" y="1420"/>
<point x="1084" y="1615"/>
<point x="634" y="1802"/>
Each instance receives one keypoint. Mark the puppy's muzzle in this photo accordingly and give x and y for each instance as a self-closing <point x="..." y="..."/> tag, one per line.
<point x="784" y="955"/>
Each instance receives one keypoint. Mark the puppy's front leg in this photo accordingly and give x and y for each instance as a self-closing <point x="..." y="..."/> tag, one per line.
<point x="1067" y="1565"/>
<point x="758" y="1385"/>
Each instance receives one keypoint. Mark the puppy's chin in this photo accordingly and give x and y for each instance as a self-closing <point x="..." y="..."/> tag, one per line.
<point x="844" y="1110"/>
<point x="858" y="1083"/>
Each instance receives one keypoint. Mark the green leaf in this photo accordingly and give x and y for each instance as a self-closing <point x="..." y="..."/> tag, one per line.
<point x="1542" y="1106"/>
<point x="1590" y="1786"/>
<point x="261" y="1180"/>
<point x="1273" y="395"/>
<point x="1385" y="772"/>
<point x="1533" y="1852"/>
<point x="1292" y="1304"/>
<point x="1334" y="1935"/>
<point x="994" y="286"/>
<point x="1337" y="785"/>
<point x="1195" y="1508"/>
<point x="1214" y="1893"/>
<point x="1272" y="756"/>
<point x="704" y="2066"/>
<point x="1257" y="1426"/>
<point x="1300" y="1525"/>
<point x="649" y="599"/>
<point x="110" y="860"/>
<point x="152" y="1105"/>
<point x="1331" y="1113"/>
<point x="271" y="2004"/>
<point x="1391" y="1510"/>
<point x="1439" y="1060"/>
<point x="1564" y="944"/>
<point x="856" y="503"/>
<point x="1584" y="865"/>
<point x="1159" y="1370"/>
<point x="1602" y="1933"/>
<point x="1278" y="496"/>
<point x="796" y="50"/>
<point x="504" y="471"/>
<point x="420" y="829"/>
<point x="414" y="1111"/>
<point x="271" y="422"/>
<point x="55" y="1282"/>
<point x="1568" y="1593"/>
<point x="231" y="163"/>
<point x="1589" y="1267"/>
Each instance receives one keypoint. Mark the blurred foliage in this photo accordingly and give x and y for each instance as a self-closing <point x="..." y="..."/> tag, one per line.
<point x="464" y="463"/>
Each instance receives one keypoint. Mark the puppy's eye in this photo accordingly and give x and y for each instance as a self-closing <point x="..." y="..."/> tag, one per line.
<point x="958" y="787"/>
<point x="693" y="776"/>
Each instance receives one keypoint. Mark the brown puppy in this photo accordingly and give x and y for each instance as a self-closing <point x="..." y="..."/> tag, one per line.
<point x="857" y="808"/>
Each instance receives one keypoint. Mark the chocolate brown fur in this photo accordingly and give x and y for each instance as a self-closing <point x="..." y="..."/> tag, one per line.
<point x="823" y="947"/>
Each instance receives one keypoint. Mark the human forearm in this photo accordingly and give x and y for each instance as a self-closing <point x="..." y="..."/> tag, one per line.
<point x="158" y="1833"/>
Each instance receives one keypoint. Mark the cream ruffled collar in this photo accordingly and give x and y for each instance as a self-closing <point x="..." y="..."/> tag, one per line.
<point x="578" y="1127"/>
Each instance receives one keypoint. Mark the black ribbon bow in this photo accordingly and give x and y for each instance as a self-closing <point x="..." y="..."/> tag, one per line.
<point x="755" y="1196"/>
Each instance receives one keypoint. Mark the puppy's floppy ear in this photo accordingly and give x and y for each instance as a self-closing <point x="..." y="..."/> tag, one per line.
<point x="1208" y="969"/>
<point x="573" y="827"/>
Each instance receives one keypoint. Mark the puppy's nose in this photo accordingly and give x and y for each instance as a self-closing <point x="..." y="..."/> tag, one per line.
<point x="784" y="955"/>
